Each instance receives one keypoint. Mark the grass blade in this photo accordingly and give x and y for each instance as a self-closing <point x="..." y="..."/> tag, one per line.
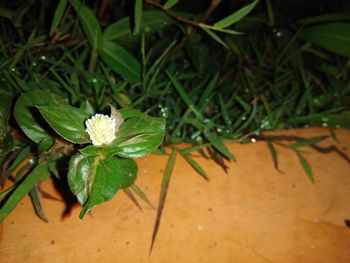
<point x="163" y="193"/>
<point x="236" y="16"/>
<point x="138" y="16"/>
<point x="184" y="96"/>
<point x="170" y="3"/>
<point x="273" y="154"/>
<point x="58" y="15"/>
<point x="34" y="195"/>
<point x="306" y="166"/>
<point x="194" y="165"/>
<point x="219" y="145"/>
<point x="39" y="173"/>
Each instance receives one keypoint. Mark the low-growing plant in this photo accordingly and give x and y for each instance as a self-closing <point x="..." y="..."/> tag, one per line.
<point x="198" y="73"/>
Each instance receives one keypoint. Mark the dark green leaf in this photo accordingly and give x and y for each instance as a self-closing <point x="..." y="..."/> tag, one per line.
<point x="236" y="16"/>
<point x="67" y="121"/>
<point x="332" y="36"/>
<point x="120" y="61"/>
<point x="106" y="182"/>
<point x="45" y="144"/>
<point x="37" y="204"/>
<point x="89" y="23"/>
<point x="184" y="96"/>
<point x="6" y="144"/>
<point x="215" y="37"/>
<point x="170" y="3"/>
<point x="58" y="15"/>
<point x="195" y="165"/>
<point x="307" y="142"/>
<point x="152" y="22"/>
<point x="81" y="168"/>
<point x="129" y="171"/>
<point x="28" y="118"/>
<point x="5" y="109"/>
<point x="163" y="193"/>
<point x="138" y="137"/>
<point x="305" y="166"/>
<point x="39" y="173"/>
<point x="87" y="107"/>
<point x="273" y="153"/>
<point x="138" y="15"/>
<point x="218" y="145"/>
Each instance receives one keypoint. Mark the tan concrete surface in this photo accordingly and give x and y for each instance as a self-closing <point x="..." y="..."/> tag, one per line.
<point x="252" y="214"/>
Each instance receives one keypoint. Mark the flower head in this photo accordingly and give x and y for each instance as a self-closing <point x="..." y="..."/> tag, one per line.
<point x="101" y="129"/>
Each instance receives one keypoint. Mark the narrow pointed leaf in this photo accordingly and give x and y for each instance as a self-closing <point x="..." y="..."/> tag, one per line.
<point x="236" y="16"/>
<point x="195" y="165"/>
<point x="219" y="145"/>
<point x="89" y="23"/>
<point x="58" y="15"/>
<point x="39" y="173"/>
<point x="170" y="3"/>
<point x="306" y="166"/>
<point x="273" y="153"/>
<point x="163" y="193"/>
<point x="138" y="16"/>
<point x="37" y="204"/>
<point x="120" y="61"/>
<point x="334" y="37"/>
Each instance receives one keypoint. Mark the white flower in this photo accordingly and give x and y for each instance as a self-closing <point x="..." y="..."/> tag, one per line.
<point x="101" y="128"/>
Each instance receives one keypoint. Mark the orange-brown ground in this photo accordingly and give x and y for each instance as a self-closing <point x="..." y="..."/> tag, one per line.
<point x="252" y="214"/>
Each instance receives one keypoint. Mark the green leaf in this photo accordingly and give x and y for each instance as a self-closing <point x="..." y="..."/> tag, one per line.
<point x="273" y="153"/>
<point x="28" y="118"/>
<point x="87" y="107"/>
<point x="89" y="23"/>
<point x="5" y="109"/>
<point x="45" y="144"/>
<point x="81" y="168"/>
<point x="152" y="22"/>
<point x="138" y="15"/>
<point x="67" y="121"/>
<point x="129" y="170"/>
<point x="6" y="145"/>
<point x="170" y="3"/>
<point x="184" y="96"/>
<point x="334" y="37"/>
<point x="37" y="204"/>
<point x="106" y="182"/>
<point x="39" y="173"/>
<point x="235" y="17"/>
<point x="195" y="165"/>
<point x="219" y="145"/>
<point x="227" y="31"/>
<point x="215" y="37"/>
<point x="163" y="193"/>
<point x="305" y="166"/>
<point x="307" y="142"/>
<point x="58" y="15"/>
<point x="120" y="61"/>
<point x="138" y="137"/>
